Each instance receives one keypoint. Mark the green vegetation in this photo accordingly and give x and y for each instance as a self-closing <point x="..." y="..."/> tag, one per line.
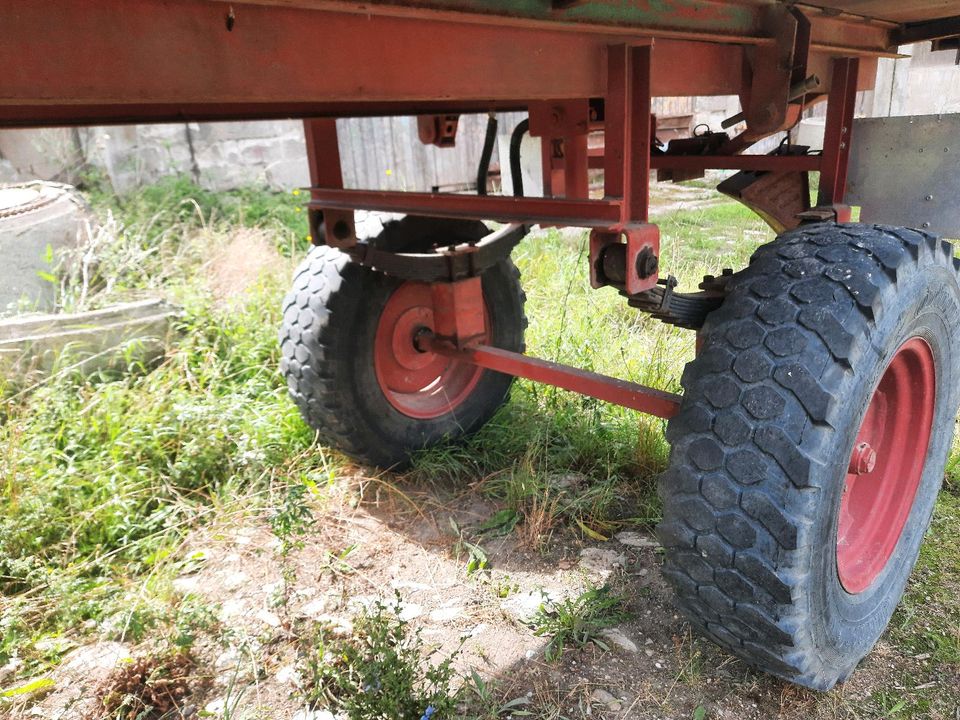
<point x="102" y="478"/>
<point x="381" y="670"/>
<point x="574" y="622"/>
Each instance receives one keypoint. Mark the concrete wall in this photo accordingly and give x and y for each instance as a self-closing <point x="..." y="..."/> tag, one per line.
<point x="377" y="153"/>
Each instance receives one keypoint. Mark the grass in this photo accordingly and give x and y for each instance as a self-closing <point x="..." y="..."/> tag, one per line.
<point x="574" y="622"/>
<point x="380" y="670"/>
<point x="102" y="478"/>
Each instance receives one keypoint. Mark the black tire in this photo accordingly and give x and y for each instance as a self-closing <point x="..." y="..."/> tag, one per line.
<point x="760" y="447"/>
<point x="327" y="339"/>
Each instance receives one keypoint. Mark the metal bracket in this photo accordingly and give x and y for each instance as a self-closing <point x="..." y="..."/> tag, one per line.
<point x="335" y="228"/>
<point x="459" y="312"/>
<point x="439" y="130"/>
<point x="448" y="264"/>
<point x="630" y="266"/>
<point x="775" y="69"/>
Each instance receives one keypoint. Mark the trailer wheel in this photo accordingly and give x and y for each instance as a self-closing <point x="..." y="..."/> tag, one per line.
<point x="810" y="446"/>
<point x="349" y="358"/>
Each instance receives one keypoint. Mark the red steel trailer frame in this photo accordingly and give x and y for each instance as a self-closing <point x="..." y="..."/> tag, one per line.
<point x="202" y="60"/>
<point x="576" y="66"/>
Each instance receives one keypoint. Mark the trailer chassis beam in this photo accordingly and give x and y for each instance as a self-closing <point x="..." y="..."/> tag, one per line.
<point x="612" y="390"/>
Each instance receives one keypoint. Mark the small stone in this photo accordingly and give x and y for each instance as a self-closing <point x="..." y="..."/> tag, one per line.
<point x="216" y="706"/>
<point x="601" y="561"/>
<point x="524" y="605"/>
<point x="288" y="675"/>
<point x="307" y="714"/>
<point x="635" y="539"/>
<point x="315" y="608"/>
<point x="602" y="696"/>
<point x="187" y="584"/>
<point x="268" y="618"/>
<point x="409" y="611"/>
<point x="648" y="652"/>
<point x="227" y="659"/>
<point x="99" y="656"/>
<point x="235" y="580"/>
<point x="336" y="625"/>
<point x="442" y="615"/>
<point x="616" y="637"/>
<point x="232" y="608"/>
<point x="478" y="630"/>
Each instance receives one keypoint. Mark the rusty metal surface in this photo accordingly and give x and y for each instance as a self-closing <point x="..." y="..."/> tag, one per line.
<point x="903" y="171"/>
<point x="77" y="62"/>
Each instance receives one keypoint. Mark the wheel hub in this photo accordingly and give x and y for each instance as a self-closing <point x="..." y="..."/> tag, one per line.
<point x="886" y="466"/>
<point x="421" y="385"/>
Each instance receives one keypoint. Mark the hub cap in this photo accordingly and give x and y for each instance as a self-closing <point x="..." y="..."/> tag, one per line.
<point x="886" y="466"/>
<point x="422" y="385"/>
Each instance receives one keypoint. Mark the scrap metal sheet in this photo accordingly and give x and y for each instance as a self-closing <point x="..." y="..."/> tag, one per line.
<point x="906" y="171"/>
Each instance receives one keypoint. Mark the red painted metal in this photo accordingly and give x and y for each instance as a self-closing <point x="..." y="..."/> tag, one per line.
<point x="619" y="392"/>
<point x="839" y="126"/>
<point x="333" y="226"/>
<point x="628" y="130"/>
<point x="421" y="385"/>
<point x="439" y="130"/>
<point x="547" y="211"/>
<point x="563" y="126"/>
<point x="459" y="311"/>
<point x="886" y="466"/>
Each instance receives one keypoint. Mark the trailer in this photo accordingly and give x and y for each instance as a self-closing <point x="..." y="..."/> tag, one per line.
<point x="810" y="441"/>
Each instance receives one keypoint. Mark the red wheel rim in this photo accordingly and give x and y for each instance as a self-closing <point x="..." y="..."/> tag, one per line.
<point x="886" y="466"/>
<point x="422" y="385"/>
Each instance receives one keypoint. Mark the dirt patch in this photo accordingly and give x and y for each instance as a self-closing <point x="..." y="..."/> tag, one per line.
<point x="236" y="266"/>
<point x="353" y="555"/>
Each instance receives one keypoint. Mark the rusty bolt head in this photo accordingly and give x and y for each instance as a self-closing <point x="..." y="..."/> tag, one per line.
<point x="647" y="263"/>
<point x="863" y="461"/>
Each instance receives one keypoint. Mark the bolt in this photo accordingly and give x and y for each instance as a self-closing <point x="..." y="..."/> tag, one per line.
<point x="925" y="225"/>
<point x="863" y="461"/>
<point x="928" y="197"/>
<point x="647" y="263"/>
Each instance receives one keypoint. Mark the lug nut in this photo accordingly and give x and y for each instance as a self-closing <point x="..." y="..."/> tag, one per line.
<point x="863" y="461"/>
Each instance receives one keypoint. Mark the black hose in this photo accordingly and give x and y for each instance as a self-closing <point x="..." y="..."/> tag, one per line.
<point x="516" y="173"/>
<point x="484" y="170"/>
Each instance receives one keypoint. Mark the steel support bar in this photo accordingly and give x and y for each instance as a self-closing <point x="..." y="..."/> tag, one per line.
<point x="545" y="211"/>
<point x="839" y="126"/>
<point x="335" y="227"/>
<point x="627" y="133"/>
<point x="611" y="390"/>
<point x="756" y="163"/>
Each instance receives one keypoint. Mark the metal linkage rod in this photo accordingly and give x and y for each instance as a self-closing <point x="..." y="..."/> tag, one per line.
<point x="612" y="390"/>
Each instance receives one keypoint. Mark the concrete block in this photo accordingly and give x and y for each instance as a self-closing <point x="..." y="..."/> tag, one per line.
<point x="36" y="345"/>
<point x="47" y="154"/>
<point x="39" y="223"/>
